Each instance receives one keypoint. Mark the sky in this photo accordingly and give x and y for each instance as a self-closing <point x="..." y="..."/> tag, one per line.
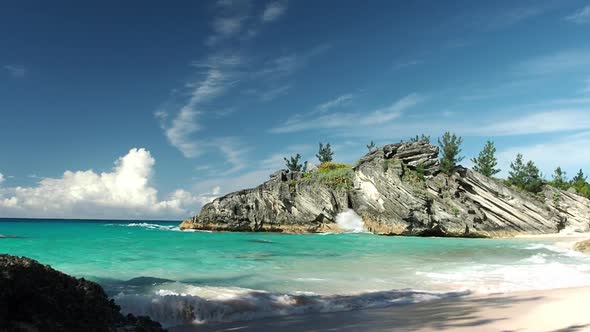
<point x="150" y="109"/>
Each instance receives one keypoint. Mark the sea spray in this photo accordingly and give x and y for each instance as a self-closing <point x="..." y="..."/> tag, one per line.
<point x="350" y="222"/>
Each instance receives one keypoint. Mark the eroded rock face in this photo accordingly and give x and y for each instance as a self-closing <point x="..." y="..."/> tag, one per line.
<point x="398" y="190"/>
<point x="35" y="297"/>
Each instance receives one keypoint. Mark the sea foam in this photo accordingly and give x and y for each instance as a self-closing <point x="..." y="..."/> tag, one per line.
<point x="198" y="305"/>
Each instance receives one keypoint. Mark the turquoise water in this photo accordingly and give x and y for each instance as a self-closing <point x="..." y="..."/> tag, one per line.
<point x="153" y="268"/>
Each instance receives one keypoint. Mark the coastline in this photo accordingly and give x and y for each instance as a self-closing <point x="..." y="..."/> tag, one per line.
<point x="544" y="310"/>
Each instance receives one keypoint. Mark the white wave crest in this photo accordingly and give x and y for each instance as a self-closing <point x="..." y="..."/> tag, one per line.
<point x="199" y="305"/>
<point x="149" y="226"/>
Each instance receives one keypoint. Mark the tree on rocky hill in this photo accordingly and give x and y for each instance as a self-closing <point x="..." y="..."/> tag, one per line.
<point x="451" y="147"/>
<point x="560" y="179"/>
<point x="525" y="176"/>
<point x="371" y="146"/>
<point x="293" y="163"/>
<point x="422" y="139"/>
<point x="325" y="153"/>
<point x="486" y="162"/>
<point x="580" y="183"/>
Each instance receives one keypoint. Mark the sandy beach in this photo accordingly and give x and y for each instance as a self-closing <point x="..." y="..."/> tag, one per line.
<point x="548" y="310"/>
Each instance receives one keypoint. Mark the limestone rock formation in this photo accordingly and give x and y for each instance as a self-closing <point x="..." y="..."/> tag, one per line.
<point x="35" y="297"/>
<point x="397" y="190"/>
<point x="583" y="246"/>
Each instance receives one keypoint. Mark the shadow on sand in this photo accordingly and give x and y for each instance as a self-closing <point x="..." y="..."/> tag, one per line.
<point x="465" y="313"/>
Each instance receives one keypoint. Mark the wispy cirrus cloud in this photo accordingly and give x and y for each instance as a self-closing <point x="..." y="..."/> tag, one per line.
<point x="516" y="15"/>
<point x="559" y="62"/>
<point x="555" y="120"/>
<point x="274" y="10"/>
<point x="285" y="65"/>
<point x="581" y="16"/>
<point x="274" y="93"/>
<point x="342" y="120"/>
<point x="180" y="131"/>
<point x="405" y="64"/>
<point x="340" y="101"/>
<point x="16" y="71"/>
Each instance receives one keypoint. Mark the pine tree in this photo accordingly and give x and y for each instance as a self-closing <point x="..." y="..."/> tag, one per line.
<point x="486" y="162"/>
<point x="293" y="163"/>
<point x="422" y="139"/>
<point x="451" y="147"/>
<point x="559" y="179"/>
<point x="517" y="175"/>
<point x="579" y="177"/>
<point x="371" y="146"/>
<point x="525" y="176"/>
<point x="325" y="153"/>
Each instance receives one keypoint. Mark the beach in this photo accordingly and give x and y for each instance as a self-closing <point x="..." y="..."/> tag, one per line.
<point x="315" y="282"/>
<point x="548" y="310"/>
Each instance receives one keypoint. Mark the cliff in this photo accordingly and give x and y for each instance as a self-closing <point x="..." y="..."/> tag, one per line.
<point x="396" y="190"/>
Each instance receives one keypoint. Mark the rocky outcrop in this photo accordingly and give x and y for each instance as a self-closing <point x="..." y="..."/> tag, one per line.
<point x="35" y="297"/>
<point x="397" y="190"/>
<point x="583" y="246"/>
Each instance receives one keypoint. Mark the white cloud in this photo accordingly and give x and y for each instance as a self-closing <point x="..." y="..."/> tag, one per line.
<point x="540" y="122"/>
<point x="181" y="130"/>
<point x="349" y="120"/>
<point x="274" y="10"/>
<point x="405" y="64"/>
<point x="274" y="93"/>
<point x="123" y="192"/>
<point x="515" y="15"/>
<point x="567" y="152"/>
<point x="287" y="64"/>
<point x="228" y="26"/>
<point x="16" y="71"/>
<point x="581" y="16"/>
<point x="563" y="61"/>
<point x="1" y="178"/>
<point x="339" y="101"/>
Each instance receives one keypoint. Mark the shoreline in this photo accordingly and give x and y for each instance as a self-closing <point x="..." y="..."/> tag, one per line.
<point x="563" y="309"/>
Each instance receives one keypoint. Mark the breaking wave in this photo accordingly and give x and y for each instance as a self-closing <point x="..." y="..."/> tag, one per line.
<point x="149" y="226"/>
<point x="198" y="305"/>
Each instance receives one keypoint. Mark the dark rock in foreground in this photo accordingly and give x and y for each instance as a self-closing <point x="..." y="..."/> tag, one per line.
<point x="35" y="297"/>
<point x="396" y="190"/>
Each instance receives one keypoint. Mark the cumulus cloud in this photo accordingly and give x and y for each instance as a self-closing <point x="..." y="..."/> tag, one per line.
<point x="123" y="192"/>
<point x="581" y="16"/>
<point x="274" y="10"/>
<point x="1" y="178"/>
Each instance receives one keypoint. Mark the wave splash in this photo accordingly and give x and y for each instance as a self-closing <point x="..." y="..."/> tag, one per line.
<point x="198" y="305"/>
<point x="350" y="222"/>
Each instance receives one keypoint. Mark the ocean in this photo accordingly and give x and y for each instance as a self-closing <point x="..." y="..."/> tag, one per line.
<point x="152" y="268"/>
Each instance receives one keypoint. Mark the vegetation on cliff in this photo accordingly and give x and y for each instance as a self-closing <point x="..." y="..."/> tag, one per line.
<point x="486" y="162"/>
<point x="450" y="144"/>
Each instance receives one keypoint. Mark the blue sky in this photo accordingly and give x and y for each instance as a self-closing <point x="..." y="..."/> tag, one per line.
<point x="141" y="110"/>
